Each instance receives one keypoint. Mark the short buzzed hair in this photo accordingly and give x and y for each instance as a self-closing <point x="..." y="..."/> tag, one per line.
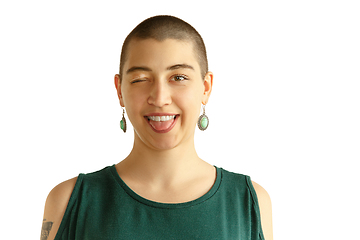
<point x="167" y="27"/>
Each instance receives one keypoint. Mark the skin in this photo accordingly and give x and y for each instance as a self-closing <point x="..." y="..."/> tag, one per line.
<point x="160" y="77"/>
<point x="161" y="166"/>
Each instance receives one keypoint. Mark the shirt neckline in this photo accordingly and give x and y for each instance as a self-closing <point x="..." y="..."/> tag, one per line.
<point x="151" y="203"/>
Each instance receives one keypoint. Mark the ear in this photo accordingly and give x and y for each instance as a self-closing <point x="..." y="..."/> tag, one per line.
<point x="208" y="83"/>
<point x="118" y="89"/>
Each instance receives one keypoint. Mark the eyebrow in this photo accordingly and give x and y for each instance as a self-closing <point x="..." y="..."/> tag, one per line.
<point x="178" y="66"/>
<point x="134" y="69"/>
<point x="146" y="69"/>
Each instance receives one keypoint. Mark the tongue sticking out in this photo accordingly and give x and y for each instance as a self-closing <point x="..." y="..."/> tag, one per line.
<point x="161" y="126"/>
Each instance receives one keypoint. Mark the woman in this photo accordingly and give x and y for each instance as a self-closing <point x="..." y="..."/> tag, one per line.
<point x="162" y="189"/>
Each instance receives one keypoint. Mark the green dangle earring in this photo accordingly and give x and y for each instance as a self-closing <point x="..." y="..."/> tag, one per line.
<point x="123" y="122"/>
<point x="203" y="121"/>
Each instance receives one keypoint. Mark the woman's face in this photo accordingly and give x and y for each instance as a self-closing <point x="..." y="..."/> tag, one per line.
<point x="162" y="91"/>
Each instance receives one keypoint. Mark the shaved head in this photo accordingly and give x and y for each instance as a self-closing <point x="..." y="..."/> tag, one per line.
<point x="166" y="27"/>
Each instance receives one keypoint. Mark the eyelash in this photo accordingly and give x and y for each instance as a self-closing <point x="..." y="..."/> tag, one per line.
<point x="137" y="80"/>
<point x="173" y="77"/>
<point x="180" y="75"/>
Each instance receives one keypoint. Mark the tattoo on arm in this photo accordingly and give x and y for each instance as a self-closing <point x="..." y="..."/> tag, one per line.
<point x="45" y="230"/>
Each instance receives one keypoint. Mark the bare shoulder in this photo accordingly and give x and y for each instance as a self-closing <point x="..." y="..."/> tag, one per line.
<point x="55" y="207"/>
<point x="265" y="210"/>
<point x="261" y="192"/>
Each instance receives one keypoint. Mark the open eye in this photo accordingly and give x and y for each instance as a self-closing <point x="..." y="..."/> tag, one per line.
<point x="179" y="78"/>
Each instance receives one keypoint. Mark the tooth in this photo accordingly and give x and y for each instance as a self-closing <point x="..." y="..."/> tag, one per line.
<point x="161" y="118"/>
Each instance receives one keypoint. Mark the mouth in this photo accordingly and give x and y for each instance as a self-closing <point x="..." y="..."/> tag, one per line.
<point x="162" y="123"/>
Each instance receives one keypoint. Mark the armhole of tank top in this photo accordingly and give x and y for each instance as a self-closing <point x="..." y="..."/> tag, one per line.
<point x="256" y="204"/>
<point x="66" y="218"/>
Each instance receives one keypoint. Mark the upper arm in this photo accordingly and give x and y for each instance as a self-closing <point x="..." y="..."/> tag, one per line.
<point x="265" y="211"/>
<point x="55" y="207"/>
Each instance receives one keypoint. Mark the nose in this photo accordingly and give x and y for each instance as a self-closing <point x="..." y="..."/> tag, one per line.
<point x="160" y="94"/>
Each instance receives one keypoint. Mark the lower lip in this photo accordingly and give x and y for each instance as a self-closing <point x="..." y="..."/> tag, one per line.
<point x="165" y="130"/>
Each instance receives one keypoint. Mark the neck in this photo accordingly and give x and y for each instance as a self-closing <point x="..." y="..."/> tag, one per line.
<point x="162" y="166"/>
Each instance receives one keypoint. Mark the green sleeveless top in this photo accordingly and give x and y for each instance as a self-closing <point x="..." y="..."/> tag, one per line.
<point x="102" y="206"/>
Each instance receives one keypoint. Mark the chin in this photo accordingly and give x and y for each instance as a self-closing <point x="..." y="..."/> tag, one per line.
<point x="160" y="143"/>
<point x="163" y="145"/>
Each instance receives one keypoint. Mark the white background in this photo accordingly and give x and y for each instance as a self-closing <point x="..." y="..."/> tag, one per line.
<point x="285" y="108"/>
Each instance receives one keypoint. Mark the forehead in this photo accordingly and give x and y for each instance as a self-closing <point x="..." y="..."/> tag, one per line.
<point x="160" y="54"/>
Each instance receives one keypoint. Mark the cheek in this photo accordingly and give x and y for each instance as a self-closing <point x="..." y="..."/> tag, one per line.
<point x="133" y="103"/>
<point x="190" y="103"/>
<point x="132" y="97"/>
